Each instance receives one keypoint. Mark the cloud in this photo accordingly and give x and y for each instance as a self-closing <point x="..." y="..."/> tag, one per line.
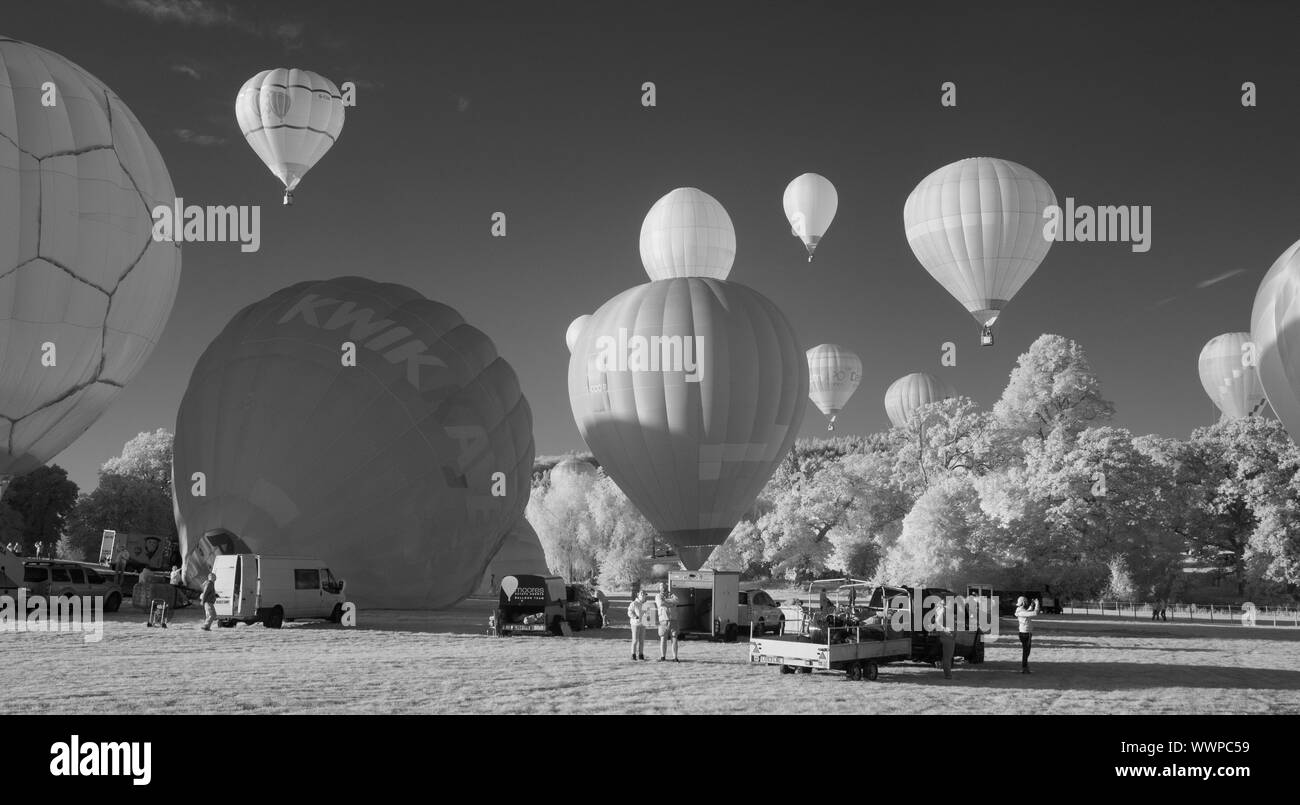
<point x="209" y="14"/>
<point x="1165" y="301"/>
<point x="185" y="69"/>
<point x="194" y="138"/>
<point x="1220" y="278"/>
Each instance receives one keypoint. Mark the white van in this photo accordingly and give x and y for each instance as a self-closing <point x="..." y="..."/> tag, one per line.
<point x="275" y="589"/>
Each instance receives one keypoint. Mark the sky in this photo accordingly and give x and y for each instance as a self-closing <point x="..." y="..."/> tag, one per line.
<point x="534" y="109"/>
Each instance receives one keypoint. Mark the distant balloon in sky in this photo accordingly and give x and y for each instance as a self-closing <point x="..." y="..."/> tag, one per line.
<point x="687" y="233"/>
<point x="1275" y="329"/>
<point x="361" y="423"/>
<point x="575" y="329"/>
<point x="1227" y="369"/>
<point x="910" y="392"/>
<point x="833" y="375"/>
<point x="977" y="226"/>
<point x="810" y="202"/>
<point x="85" y="291"/>
<point x="290" y="118"/>
<point x="689" y="392"/>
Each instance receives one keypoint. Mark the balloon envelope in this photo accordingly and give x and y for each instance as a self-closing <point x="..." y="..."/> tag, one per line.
<point x="977" y="226"/>
<point x="833" y="375"/>
<point x="689" y="391"/>
<point x="1226" y="366"/>
<point x="85" y="291"/>
<point x="910" y="392"/>
<point x="810" y="202"/>
<point x="1275" y="329"/>
<point x="290" y="118"/>
<point x="687" y="233"/>
<point x="575" y="329"/>
<point x="385" y="469"/>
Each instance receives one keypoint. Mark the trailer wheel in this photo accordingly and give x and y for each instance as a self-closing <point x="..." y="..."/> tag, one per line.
<point x="785" y="669"/>
<point x="805" y="670"/>
<point x="275" y="618"/>
<point x="855" y="671"/>
<point x="873" y="671"/>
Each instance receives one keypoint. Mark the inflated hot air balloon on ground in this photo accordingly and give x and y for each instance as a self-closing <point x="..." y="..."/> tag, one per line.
<point x="520" y="555"/>
<point x="404" y="471"/>
<point x="833" y="375"/>
<point x="910" y="392"/>
<point x="688" y="389"/>
<point x="575" y="329"/>
<point x="687" y="233"/>
<point x="290" y="118"/>
<point x="85" y="291"/>
<point x="1275" y="329"/>
<point x="810" y="203"/>
<point x="1227" y="369"/>
<point x="977" y="226"/>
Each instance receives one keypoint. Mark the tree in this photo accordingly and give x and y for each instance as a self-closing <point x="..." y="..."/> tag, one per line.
<point x="43" y="498"/>
<point x="120" y="503"/>
<point x="941" y="540"/>
<point x="11" y="526"/>
<point x="621" y="537"/>
<point x="942" y="438"/>
<point x="148" y="457"/>
<point x="1052" y="387"/>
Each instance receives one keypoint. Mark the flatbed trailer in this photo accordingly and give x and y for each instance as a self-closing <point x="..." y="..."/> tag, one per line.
<point x="858" y="652"/>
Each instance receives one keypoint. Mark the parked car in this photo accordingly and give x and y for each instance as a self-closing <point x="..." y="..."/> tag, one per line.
<point x="581" y="609"/>
<point x="56" y="577"/>
<point x="758" y="608"/>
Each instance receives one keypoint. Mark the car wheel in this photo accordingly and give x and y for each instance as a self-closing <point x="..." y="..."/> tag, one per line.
<point x="785" y="669"/>
<point x="855" y="671"/>
<point x="113" y="602"/>
<point x="226" y="624"/>
<point x="873" y="671"/>
<point x="275" y="618"/>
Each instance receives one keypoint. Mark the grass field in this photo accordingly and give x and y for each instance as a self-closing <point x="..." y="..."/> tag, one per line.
<point x="441" y="662"/>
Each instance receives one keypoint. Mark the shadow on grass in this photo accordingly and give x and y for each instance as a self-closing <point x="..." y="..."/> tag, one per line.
<point x="1111" y="676"/>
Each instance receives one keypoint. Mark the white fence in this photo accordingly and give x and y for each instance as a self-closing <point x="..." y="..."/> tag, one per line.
<point x="1210" y="613"/>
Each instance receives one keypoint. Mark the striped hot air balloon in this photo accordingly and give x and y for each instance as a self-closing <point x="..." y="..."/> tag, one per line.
<point x="910" y="392"/>
<point x="290" y="118"/>
<point x="833" y="375"/>
<point x="977" y="226"/>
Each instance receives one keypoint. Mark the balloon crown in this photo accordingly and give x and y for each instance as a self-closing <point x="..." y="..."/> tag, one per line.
<point x="687" y="233"/>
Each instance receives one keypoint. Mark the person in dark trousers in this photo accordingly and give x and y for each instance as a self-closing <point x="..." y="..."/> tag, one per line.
<point x="945" y="627"/>
<point x="1025" y="614"/>
<point x="208" y="595"/>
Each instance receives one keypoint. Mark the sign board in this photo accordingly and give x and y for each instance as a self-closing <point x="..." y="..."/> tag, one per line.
<point x="106" y="547"/>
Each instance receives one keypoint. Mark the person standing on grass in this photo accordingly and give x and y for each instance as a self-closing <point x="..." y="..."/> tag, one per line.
<point x="603" y="603"/>
<point x="666" y="603"/>
<point x="1025" y="614"/>
<point x="634" y="611"/>
<point x="946" y="629"/>
<point x="208" y="595"/>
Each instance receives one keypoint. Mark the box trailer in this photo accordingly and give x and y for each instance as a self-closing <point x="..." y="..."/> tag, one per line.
<point x="708" y="603"/>
<point x="253" y="588"/>
<point x="530" y="604"/>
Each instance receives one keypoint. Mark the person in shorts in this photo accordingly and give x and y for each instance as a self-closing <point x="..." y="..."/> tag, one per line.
<point x="666" y="603"/>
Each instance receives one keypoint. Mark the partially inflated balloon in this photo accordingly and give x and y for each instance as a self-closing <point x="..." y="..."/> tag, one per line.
<point x="575" y="329"/>
<point x="910" y="392"/>
<point x="833" y="375"/>
<point x="85" y="291"/>
<point x="290" y="118"/>
<point x="388" y="469"/>
<point x="687" y="233"/>
<point x="520" y="555"/>
<point x="977" y="226"/>
<point x="810" y="202"/>
<point x="689" y="392"/>
<point x="1227" y="369"/>
<point x="572" y="470"/>
<point x="1275" y="329"/>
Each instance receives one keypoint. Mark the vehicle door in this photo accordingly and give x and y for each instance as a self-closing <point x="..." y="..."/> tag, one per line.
<point x="61" y="581"/>
<point x="36" y="578"/>
<point x="308" y="597"/>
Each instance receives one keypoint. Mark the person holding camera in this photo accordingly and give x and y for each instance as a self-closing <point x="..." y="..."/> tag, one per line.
<point x="1025" y="614"/>
<point x="634" y="611"/>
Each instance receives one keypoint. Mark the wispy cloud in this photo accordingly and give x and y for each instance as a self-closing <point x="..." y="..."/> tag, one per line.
<point x="194" y="138"/>
<point x="209" y="14"/>
<point x="1220" y="278"/>
<point x="185" y="69"/>
<point x="1165" y="301"/>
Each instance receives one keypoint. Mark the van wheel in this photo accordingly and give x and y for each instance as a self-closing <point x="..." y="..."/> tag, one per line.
<point x="226" y="624"/>
<point x="729" y="634"/>
<point x="274" y="619"/>
<point x="113" y="602"/>
<point x="337" y="615"/>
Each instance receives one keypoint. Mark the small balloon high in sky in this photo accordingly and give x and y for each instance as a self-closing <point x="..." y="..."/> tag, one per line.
<point x="810" y="203"/>
<point x="290" y="119"/>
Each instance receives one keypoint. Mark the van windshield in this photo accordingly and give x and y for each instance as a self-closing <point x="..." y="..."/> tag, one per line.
<point x="328" y="583"/>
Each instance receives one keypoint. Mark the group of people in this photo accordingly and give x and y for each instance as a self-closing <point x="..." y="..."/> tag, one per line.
<point x="947" y="631"/>
<point x="665" y="611"/>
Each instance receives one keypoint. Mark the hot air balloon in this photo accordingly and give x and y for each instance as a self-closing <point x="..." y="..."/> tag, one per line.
<point x="404" y="471"/>
<point x="1275" y="329"/>
<point x="687" y="233"/>
<point x="833" y="375"/>
<point x="575" y="328"/>
<point x="810" y="202"/>
<point x="290" y="118"/>
<point x="520" y="555"/>
<point x="977" y="226"/>
<point x="1227" y="368"/>
<point x="910" y="392"/>
<point x="85" y="291"/>
<point x="572" y="470"/>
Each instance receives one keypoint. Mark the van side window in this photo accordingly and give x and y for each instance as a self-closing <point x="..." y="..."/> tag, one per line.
<point x="306" y="579"/>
